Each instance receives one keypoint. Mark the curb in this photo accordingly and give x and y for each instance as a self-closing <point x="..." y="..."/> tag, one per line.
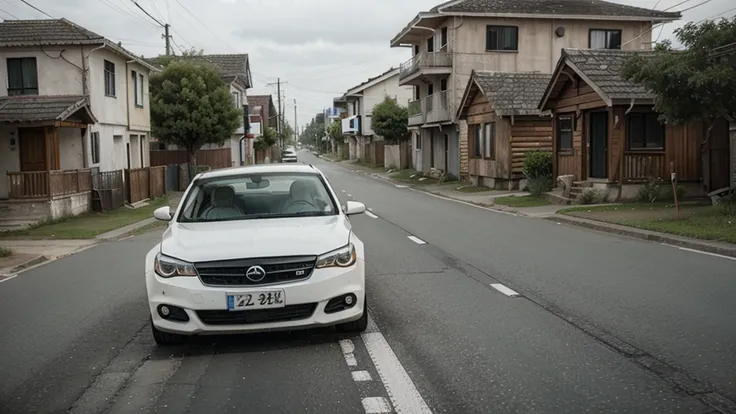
<point x="646" y="235"/>
<point x="25" y="265"/>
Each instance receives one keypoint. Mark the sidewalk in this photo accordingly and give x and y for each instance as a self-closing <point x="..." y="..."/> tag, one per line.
<point x="31" y="252"/>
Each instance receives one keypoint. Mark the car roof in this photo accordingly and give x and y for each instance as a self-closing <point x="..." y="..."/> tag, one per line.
<point x="261" y="169"/>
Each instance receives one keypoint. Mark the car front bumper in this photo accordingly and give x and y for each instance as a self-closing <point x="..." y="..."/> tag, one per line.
<point x="289" y="159"/>
<point x="191" y="295"/>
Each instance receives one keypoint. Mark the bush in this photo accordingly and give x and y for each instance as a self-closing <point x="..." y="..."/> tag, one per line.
<point x="727" y="206"/>
<point x="540" y="185"/>
<point x="592" y="196"/>
<point x="657" y="189"/>
<point x="537" y="164"/>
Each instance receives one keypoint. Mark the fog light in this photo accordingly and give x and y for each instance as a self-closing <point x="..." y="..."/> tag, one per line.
<point x="349" y="300"/>
<point x="165" y="311"/>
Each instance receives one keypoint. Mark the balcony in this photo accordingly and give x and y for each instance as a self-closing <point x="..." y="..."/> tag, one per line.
<point x="426" y="63"/>
<point x="431" y="109"/>
<point x="438" y="107"/>
<point x="416" y="112"/>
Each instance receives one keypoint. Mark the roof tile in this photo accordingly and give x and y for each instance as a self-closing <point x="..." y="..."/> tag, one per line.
<point x="513" y="93"/>
<point x="37" y="108"/>
<point x="547" y="7"/>
<point x="603" y="68"/>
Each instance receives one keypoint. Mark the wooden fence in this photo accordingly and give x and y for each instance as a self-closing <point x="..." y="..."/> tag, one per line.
<point x="48" y="184"/>
<point x="145" y="183"/>
<point x="108" y="190"/>
<point x="375" y="152"/>
<point x="215" y="158"/>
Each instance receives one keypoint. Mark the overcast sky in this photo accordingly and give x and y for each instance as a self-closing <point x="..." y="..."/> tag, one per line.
<point x="319" y="48"/>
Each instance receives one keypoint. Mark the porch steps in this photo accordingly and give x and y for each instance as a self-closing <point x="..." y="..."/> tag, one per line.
<point x="578" y="187"/>
<point x="11" y="219"/>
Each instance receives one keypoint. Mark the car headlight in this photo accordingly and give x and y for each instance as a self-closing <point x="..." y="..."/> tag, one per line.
<point x="342" y="257"/>
<point x="166" y="266"/>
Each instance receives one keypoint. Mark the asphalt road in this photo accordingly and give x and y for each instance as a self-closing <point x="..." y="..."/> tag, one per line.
<point x="601" y="324"/>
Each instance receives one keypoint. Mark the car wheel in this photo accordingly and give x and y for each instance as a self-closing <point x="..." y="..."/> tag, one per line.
<point x="165" y="338"/>
<point x="358" y="325"/>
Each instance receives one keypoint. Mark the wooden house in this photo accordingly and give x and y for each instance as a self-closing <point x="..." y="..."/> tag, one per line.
<point x="607" y="133"/>
<point x="504" y="124"/>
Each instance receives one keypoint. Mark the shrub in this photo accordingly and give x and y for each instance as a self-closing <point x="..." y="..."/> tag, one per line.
<point x="726" y="206"/>
<point x="539" y="185"/>
<point x="657" y="189"/>
<point x="592" y="196"/>
<point x="537" y="164"/>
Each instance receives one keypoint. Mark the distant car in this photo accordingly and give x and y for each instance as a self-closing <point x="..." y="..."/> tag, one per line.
<point x="256" y="248"/>
<point x="288" y="156"/>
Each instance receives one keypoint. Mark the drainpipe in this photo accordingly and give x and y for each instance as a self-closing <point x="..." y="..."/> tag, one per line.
<point x="240" y="150"/>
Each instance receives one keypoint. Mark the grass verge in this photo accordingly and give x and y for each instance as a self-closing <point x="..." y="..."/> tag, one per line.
<point x="5" y="252"/>
<point x="472" y="189"/>
<point x="88" y="225"/>
<point x="696" y="220"/>
<point x="521" y="201"/>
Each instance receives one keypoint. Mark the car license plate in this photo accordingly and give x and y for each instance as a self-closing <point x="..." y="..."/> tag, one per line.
<point x="256" y="300"/>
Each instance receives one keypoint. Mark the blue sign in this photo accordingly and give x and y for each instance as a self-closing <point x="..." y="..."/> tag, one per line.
<point x="333" y="112"/>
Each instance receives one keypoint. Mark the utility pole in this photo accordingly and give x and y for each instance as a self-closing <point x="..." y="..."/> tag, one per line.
<point x="296" y="132"/>
<point x="280" y="119"/>
<point x="167" y="37"/>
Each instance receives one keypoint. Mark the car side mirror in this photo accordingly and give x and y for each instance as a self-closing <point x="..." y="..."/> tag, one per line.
<point x="354" y="207"/>
<point x="162" y="213"/>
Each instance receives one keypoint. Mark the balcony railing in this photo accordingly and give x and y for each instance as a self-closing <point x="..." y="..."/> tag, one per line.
<point x="416" y="112"/>
<point x="48" y="184"/>
<point x="439" y="107"/>
<point x="441" y="58"/>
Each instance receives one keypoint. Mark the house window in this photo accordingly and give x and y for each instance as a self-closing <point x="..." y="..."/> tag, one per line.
<point x="478" y="141"/>
<point x="443" y="84"/>
<point x="502" y="38"/>
<point x="604" y="39"/>
<point x="430" y="44"/>
<point x="416" y="50"/>
<point x="141" y="83"/>
<point x="430" y="90"/>
<point x="645" y="132"/>
<point x="109" y="78"/>
<point x="94" y="139"/>
<point x="22" y="76"/>
<point x="138" y="88"/>
<point x="417" y="95"/>
<point x="489" y="146"/>
<point x="419" y="141"/>
<point x="236" y="99"/>
<point x="443" y="38"/>
<point x="564" y="133"/>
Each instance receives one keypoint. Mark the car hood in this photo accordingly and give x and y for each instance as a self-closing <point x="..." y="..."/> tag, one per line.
<point x="223" y="240"/>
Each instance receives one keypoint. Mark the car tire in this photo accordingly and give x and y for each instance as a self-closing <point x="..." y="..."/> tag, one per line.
<point x="358" y="325"/>
<point x="165" y="338"/>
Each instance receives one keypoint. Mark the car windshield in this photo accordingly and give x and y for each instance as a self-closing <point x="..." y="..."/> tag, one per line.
<point x="257" y="196"/>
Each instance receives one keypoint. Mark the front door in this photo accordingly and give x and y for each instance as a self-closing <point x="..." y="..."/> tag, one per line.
<point x="32" y="142"/>
<point x="598" y="145"/>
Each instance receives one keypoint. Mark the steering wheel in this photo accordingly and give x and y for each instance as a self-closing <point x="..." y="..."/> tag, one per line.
<point x="299" y="202"/>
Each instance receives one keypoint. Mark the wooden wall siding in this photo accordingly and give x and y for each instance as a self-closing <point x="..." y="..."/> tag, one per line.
<point x="529" y="134"/>
<point x="682" y="146"/>
<point x="574" y="99"/>
<point x="480" y="111"/>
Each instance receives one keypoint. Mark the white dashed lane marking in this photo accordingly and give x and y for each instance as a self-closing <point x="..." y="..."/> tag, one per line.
<point x="503" y="289"/>
<point x="401" y="186"/>
<point x="361" y="376"/>
<point x="350" y="360"/>
<point x="376" y="405"/>
<point x="350" y="195"/>
<point x="416" y="240"/>
<point x="686" y="249"/>
<point x="371" y="215"/>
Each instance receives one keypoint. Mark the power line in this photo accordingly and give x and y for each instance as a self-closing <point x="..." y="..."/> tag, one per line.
<point x="136" y="17"/>
<point x="36" y="8"/>
<point x="10" y="14"/>
<point x="204" y="25"/>
<point x="144" y="11"/>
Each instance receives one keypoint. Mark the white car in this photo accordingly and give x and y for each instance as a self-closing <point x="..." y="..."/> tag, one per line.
<point x="256" y="248"/>
<point x="288" y="156"/>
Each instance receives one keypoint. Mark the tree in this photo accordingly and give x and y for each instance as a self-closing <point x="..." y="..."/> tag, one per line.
<point x="390" y="120"/>
<point x="191" y="106"/>
<point x="267" y="139"/>
<point x="696" y="84"/>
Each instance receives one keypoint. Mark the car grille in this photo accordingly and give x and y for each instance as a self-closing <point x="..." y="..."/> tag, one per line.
<point x="245" y="317"/>
<point x="278" y="270"/>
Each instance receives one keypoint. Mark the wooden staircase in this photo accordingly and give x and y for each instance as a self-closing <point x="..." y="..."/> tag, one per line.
<point x="578" y="187"/>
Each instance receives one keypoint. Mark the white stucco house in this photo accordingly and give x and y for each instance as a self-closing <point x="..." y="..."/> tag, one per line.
<point x="70" y="100"/>
<point x="358" y="103"/>
<point x="234" y="69"/>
